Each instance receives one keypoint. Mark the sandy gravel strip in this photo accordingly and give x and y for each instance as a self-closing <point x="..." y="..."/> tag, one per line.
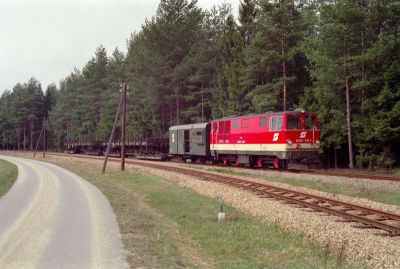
<point x="51" y="218"/>
<point x="364" y="244"/>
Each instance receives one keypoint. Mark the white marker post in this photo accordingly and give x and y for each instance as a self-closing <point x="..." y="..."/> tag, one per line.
<point x="221" y="214"/>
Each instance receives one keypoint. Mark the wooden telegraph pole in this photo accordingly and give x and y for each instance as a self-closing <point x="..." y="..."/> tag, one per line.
<point x="121" y="106"/>
<point x="123" y="128"/>
<point x="40" y="136"/>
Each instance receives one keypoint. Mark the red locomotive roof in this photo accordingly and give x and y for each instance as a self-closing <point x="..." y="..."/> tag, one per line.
<point x="269" y="113"/>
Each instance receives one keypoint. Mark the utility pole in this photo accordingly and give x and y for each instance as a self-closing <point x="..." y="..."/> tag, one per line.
<point x="37" y="144"/>
<point x="112" y="134"/>
<point x="123" y="129"/>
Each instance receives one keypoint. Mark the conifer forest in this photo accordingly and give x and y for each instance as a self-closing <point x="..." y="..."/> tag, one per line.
<point x="337" y="58"/>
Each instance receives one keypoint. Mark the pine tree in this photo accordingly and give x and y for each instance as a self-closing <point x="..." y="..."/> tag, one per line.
<point x="336" y="50"/>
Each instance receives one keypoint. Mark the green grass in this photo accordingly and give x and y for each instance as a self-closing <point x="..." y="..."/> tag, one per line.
<point x="8" y="175"/>
<point x="387" y="197"/>
<point x="166" y="226"/>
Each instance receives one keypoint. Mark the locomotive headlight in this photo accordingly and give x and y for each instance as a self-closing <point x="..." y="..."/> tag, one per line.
<point x="317" y="142"/>
<point x="289" y="141"/>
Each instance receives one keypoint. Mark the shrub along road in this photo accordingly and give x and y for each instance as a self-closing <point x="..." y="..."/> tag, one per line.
<point x="8" y="175"/>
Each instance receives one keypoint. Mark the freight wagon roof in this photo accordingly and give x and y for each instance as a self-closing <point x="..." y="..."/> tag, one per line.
<point x="189" y="126"/>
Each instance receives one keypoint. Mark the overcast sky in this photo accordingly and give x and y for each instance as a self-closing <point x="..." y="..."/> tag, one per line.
<point x="46" y="39"/>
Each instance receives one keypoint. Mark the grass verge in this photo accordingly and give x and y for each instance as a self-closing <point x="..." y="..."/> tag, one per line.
<point x="360" y="191"/>
<point x="8" y="175"/>
<point x="166" y="226"/>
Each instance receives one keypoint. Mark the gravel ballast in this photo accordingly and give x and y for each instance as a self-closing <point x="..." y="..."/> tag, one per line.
<point x="366" y="244"/>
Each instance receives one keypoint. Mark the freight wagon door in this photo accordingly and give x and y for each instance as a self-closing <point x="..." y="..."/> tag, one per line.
<point x="187" y="141"/>
<point x="173" y="144"/>
<point x="181" y="142"/>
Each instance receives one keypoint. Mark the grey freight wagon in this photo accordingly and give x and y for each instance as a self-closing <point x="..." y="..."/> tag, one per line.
<point x="190" y="141"/>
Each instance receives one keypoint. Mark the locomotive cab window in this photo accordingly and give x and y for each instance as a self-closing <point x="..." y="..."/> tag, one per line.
<point x="235" y="124"/>
<point x="293" y="122"/>
<point x="275" y="123"/>
<point x="311" y="123"/>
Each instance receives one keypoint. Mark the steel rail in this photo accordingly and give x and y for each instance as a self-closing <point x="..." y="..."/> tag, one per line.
<point x="349" y="175"/>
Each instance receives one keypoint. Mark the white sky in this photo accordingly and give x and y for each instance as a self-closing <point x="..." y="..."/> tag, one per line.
<point x="46" y="39"/>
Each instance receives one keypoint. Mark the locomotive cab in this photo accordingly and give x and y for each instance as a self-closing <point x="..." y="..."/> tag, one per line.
<point x="302" y="138"/>
<point x="302" y="128"/>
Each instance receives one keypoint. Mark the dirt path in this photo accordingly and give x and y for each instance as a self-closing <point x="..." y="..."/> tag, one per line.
<point x="52" y="218"/>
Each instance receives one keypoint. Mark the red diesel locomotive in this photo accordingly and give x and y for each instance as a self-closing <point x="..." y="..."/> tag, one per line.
<point x="279" y="139"/>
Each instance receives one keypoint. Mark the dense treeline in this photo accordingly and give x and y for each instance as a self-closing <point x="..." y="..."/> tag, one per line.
<point x="337" y="58"/>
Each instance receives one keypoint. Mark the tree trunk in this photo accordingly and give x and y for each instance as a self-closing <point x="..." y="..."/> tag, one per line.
<point x="24" y="138"/>
<point x="363" y="61"/>
<point x="177" y="104"/>
<point x="171" y="117"/>
<point x="283" y="70"/>
<point x="18" y="139"/>
<point x="350" y="140"/>
<point x="335" y="156"/>
<point x="163" y="117"/>
<point x="31" y="146"/>
<point x="202" y="103"/>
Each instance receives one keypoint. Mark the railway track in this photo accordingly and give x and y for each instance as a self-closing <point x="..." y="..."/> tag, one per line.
<point x="350" y="175"/>
<point x="365" y="217"/>
<point x="319" y="172"/>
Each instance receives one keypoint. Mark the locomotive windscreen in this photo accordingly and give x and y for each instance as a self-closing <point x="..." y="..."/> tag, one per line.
<point x="293" y="122"/>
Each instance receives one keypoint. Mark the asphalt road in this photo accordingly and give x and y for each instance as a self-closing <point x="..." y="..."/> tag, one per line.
<point x="52" y="218"/>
